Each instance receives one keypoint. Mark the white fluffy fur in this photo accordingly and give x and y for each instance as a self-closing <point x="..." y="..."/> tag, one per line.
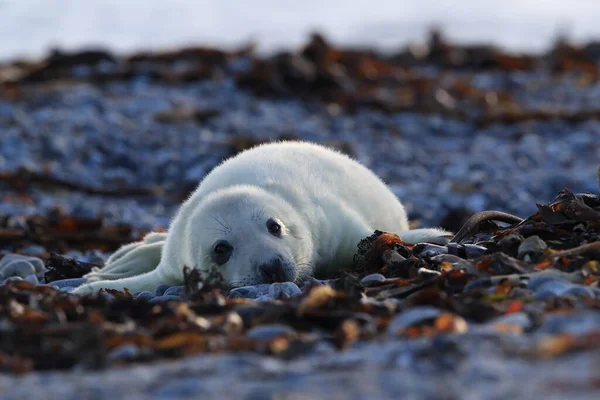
<point x="325" y="202"/>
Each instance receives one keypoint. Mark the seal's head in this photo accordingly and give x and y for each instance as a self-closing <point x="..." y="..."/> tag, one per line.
<point x="250" y="235"/>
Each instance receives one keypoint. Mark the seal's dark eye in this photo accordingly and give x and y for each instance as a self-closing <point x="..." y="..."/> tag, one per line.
<point x="222" y="252"/>
<point x="274" y="227"/>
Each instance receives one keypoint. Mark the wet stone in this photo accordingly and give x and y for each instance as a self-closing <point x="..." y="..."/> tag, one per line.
<point x="412" y="316"/>
<point x="175" y="291"/>
<point x="145" y="295"/>
<point x="160" y="289"/>
<point x="283" y="290"/>
<point x="69" y="282"/>
<point x="19" y="268"/>
<point x="124" y="352"/>
<point x="164" y="299"/>
<point x="245" y="292"/>
<point x="12" y="279"/>
<point x="580" y="292"/>
<point x="37" y="263"/>
<point x="269" y="331"/>
<point x="540" y="284"/>
<point x="531" y="249"/>
<point x="372" y="279"/>
<point x="520" y="319"/>
<point x="431" y="250"/>
<point x="32" y="279"/>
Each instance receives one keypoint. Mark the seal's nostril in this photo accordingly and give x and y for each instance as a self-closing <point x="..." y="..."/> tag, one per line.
<point x="272" y="271"/>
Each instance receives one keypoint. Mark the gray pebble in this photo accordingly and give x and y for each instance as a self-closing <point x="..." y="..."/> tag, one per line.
<point x="67" y="289"/>
<point x="412" y="317"/>
<point x="519" y="318"/>
<point x="160" y="289"/>
<point x="283" y="290"/>
<point x="245" y="292"/>
<point x="21" y="268"/>
<point x="124" y="352"/>
<point x="531" y="248"/>
<point x="34" y="250"/>
<point x="474" y="251"/>
<point x="263" y="288"/>
<point x="264" y="297"/>
<point x="106" y="295"/>
<point x="37" y="263"/>
<point x="269" y="331"/>
<point x="371" y="279"/>
<point x="164" y="299"/>
<point x="73" y="282"/>
<point x="174" y="291"/>
<point x="580" y="291"/>
<point x="431" y="250"/>
<point x="145" y="295"/>
<point x="32" y="279"/>
<point x="12" y="279"/>
<point x="554" y="285"/>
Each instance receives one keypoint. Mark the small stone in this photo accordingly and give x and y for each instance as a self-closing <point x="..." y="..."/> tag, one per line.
<point x="175" y="291"/>
<point x="145" y="295"/>
<point x="474" y="251"/>
<point x="269" y="331"/>
<point x="74" y="282"/>
<point x="124" y="352"/>
<point x="34" y="250"/>
<point x="37" y="263"/>
<point x="245" y="292"/>
<point x="263" y="288"/>
<point x="372" y="279"/>
<point x="520" y="319"/>
<point x="264" y="297"/>
<point x="531" y="249"/>
<point x="412" y="316"/>
<point x="283" y="290"/>
<point x="12" y="279"/>
<point x="19" y="268"/>
<point x="161" y="289"/>
<point x="431" y="250"/>
<point x="32" y="279"/>
<point x="580" y="291"/>
<point x="164" y="299"/>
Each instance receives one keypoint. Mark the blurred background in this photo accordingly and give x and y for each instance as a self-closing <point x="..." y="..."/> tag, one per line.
<point x="112" y="111"/>
<point x="29" y="28"/>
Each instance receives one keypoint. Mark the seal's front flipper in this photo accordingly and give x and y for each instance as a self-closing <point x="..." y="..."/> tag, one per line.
<point x="431" y="235"/>
<point x="145" y="282"/>
<point x="131" y="260"/>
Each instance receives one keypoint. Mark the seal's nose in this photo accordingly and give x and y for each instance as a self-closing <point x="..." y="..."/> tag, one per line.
<point x="272" y="271"/>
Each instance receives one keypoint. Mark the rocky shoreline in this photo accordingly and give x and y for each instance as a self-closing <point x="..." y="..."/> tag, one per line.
<point x="97" y="150"/>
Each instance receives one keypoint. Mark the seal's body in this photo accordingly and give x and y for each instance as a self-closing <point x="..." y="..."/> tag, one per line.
<point x="276" y="212"/>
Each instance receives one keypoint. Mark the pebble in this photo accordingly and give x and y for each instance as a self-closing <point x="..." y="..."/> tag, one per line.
<point x="21" y="268"/>
<point x="520" y="319"/>
<point x="164" y="299"/>
<point x="161" y="289"/>
<point x="269" y="331"/>
<point x="412" y="316"/>
<point x="175" y="291"/>
<point x="124" y="352"/>
<point x="372" y="279"/>
<point x="245" y="292"/>
<point x="283" y="290"/>
<point x="74" y="282"/>
<point x="531" y="249"/>
<point x="37" y="263"/>
<point x="12" y="279"/>
<point x="32" y="279"/>
<point x="145" y="295"/>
